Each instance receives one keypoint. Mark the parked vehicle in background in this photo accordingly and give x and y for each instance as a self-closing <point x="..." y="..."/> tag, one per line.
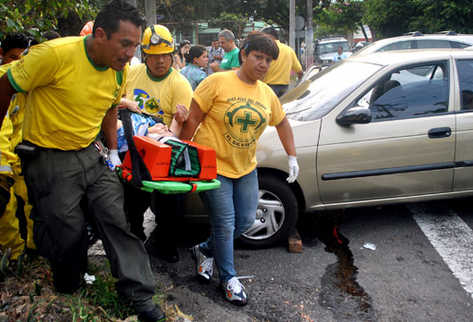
<point x="417" y="40"/>
<point x="325" y="49"/>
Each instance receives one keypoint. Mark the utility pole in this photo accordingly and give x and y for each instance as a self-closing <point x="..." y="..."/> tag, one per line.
<point x="292" y="24"/>
<point x="150" y="11"/>
<point x="309" y="36"/>
<point x="132" y="2"/>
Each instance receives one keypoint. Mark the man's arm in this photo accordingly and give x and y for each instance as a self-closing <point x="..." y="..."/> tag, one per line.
<point x="109" y="128"/>
<point x="178" y="119"/>
<point x="216" y="67"/>
<point x="6" y="93"/>
<point x="196" y="116"/>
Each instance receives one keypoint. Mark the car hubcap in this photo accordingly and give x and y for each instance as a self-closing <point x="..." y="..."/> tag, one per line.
<point x="270" y="217"/>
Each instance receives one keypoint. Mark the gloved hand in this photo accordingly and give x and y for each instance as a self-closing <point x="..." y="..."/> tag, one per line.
<point x="114" y="159"/>
<point x="293" y="169"/>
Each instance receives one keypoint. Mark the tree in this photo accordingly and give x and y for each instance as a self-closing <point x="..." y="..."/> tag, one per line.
<point x="339" y="17"/>
<point x="34" y="17"/>
<point x="443" y="15"/>
<point x="234" y="22"/>
<point x="393" y="18"/>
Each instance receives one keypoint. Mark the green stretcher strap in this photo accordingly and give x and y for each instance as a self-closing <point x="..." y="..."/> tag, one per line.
<point x="173" y="187"/>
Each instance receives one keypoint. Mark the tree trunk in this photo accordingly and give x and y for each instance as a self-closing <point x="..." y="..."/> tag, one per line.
<point x="150" y="11"/>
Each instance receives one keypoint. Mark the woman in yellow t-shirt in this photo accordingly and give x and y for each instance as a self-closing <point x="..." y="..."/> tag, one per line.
<point x="232" y="109"/>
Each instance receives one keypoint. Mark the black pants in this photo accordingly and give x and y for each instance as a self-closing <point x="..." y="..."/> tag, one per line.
<point x="279" y="90"/>
<point x="167" y="209"/>
<point x="57" y="181"/>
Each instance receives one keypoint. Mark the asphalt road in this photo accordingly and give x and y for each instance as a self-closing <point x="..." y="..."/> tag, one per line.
<point x="395" y="263"/>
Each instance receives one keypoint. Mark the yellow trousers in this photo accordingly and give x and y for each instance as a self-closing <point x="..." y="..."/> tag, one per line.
<point x="20" y="191"/>
<point x="9" y="229"/>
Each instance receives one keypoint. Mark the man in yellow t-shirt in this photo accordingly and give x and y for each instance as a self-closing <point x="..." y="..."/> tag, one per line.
<point x="160" y="90"/>
<point x="279" y="73"/>
<point x="73" y="86"/>
<point x="11" y="241"/>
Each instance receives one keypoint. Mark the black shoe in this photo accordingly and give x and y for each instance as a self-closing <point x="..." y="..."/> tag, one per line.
<point x="153" y="315"/>
<point x="167" y="253"/>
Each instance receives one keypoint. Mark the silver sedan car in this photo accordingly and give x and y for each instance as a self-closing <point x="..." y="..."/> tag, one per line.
<point x="384" y="128"/>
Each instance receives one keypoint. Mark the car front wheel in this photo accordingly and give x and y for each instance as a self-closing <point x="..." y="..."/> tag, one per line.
<point x="277" y="213"/>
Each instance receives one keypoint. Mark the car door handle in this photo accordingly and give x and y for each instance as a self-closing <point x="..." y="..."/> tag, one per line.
<point x="440" y="132"/>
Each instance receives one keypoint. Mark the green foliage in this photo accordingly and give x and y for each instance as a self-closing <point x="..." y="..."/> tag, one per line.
<point x="102" y="294"/>
<point x="338" y="18"/>
<point x="37" y="16"/>
<point x="234" y="22"/>
<point x="393" y="18"/>
<point x="443" y="15"/>
<point x="388" y="18"/>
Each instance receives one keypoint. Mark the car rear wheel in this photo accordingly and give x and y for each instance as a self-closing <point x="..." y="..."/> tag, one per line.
<point x="276" y="215"/>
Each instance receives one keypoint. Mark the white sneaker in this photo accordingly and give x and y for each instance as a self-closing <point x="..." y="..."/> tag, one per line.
<point x="234" y="292"/>
<point x="204" y="265"/>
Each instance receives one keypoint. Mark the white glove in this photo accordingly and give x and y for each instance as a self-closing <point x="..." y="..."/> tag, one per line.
<point x="293" y="169"/>
<point x="114" y="159"/>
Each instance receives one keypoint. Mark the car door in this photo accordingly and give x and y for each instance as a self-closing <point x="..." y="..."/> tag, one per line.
<point x="464" y="143"/>
<point x="406" y="150"/>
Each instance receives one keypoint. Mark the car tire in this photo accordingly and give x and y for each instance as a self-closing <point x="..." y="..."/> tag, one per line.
<point x="276" y="215"/>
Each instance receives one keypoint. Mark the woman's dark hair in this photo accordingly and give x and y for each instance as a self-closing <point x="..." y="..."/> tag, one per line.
<point x="181" y="45"/>
<point x="259" y="41"/>
<point x="115" y="11"/>
<point x="195" y="52"/>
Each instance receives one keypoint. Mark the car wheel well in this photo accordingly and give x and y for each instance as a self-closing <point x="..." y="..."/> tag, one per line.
<point x="295" y="187"/>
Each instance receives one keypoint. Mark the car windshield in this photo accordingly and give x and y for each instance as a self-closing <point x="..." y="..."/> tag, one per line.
<point x="332" y="47"/>
<point x="320" y="92"/>
<point x="366" y="49"/>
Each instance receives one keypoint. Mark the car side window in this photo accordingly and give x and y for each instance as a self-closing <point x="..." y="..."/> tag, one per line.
<point x="432" y="43"/>
<point x="400" y="45"/>
<point x="465" y="75"/>
<point x="456" y="44"/>
<point x="414" y="91"/>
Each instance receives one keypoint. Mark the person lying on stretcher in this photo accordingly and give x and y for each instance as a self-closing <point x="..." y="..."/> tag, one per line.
<point x="149" y="125"/>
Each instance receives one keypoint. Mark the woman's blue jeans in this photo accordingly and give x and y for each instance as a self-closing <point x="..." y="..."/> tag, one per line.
<point x="232" y="212"/>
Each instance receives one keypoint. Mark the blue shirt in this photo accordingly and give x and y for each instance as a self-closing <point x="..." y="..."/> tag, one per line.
<point x="140" y="126"/>
<point x="338" y="57"/>
<point x="193" y="74"/>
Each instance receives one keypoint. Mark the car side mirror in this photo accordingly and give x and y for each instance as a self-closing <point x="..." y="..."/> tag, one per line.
<point x="354" y="115"/>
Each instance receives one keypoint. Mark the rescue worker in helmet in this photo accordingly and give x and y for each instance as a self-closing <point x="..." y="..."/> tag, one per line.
<point x="160" y="90"/>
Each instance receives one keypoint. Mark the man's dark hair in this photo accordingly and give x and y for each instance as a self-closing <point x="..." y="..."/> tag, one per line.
<point x="259" y="41"/>
<point x="50" y="34"/>
<point x="115" y="11"/>
<point x="195" y="52"/>
<point x="15" y="40"/>
<point x="271" y="31"/>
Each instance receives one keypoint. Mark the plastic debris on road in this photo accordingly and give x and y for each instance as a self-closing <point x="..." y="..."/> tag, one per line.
<point x="369" y="246"/>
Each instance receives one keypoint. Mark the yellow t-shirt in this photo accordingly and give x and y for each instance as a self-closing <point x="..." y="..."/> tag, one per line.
<point x="7" y="156"/>
<point x="279" y="72"/>
<point x="236" y="115"/>
<point x="16" y="113"/>
<point x="67" y="95"/>
<point x="158" y="96"/>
